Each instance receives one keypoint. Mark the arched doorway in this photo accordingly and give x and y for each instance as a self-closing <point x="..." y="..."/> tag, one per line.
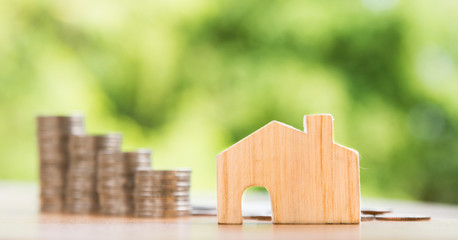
<point x="256" y="204"/>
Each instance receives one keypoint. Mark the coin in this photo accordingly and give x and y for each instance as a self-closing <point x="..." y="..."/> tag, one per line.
<point x="367" y="217"/>
<point x="165" y="173"/>
<point x="392" y="217"/>
<point x="162" y="182"/>
<point x="161" y="200"/>
<point x="163" y="205"/>
<point x="114" y="184"/>
<point x="375" y="211"/>
<point x="162" y="193"/>
<point x="116" y="179"/>
<point x="117" y="212"/>
<point x="53" y="133"/>
<point x="83" y="174"/>
<point x="159" y="188"/>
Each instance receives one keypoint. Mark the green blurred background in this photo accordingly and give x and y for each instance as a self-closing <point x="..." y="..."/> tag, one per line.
<point x="190" y="78"/>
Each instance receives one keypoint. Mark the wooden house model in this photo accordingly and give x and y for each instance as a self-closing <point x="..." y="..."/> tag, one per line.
<point x="310" y="179"/>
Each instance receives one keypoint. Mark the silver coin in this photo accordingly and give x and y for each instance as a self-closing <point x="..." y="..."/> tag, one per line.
<point x="159" y="202"/>
<point x="113" y="173"/>
<point x="81" y="205"/>
<point x="77" y="210"/>
<point x="113" y="193"/>
<point x="119" y="207"/>
<point x="162" y="204"/>
<point x="115" y="186"/>
<point x="138" y="152"/>
<point x="126" y="196"/>
<point x="367" y="217"/>
<point x="375" y="211"/>
<point x="162" y="197"/>
<point x="162" y="187"/>
<point x="53" y="138"/>
<point x="184" y="177"/>
<point x="161" y="193"/>
<point x="116" y="202"/>
<point x="115" y="182"/>
<point x="176" y="172"/>
<point x="393" y="217"/>
<point x="149" y="180"/>
<point x="156" y="180"/>
<point x="139" y="167"/>
<point x="116" y="212"/>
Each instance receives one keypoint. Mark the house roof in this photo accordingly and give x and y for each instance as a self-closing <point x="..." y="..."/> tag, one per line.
<point x="283" y="125"/>
<point x="260" y="129"/>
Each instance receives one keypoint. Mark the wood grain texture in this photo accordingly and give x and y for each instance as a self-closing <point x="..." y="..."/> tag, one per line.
<point x="310" y="179"/>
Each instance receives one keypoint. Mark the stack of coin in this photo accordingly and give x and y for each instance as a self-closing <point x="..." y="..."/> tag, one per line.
<point x="81" y="190"/>
<point x="162" y="193"/>
<point x="114" y="184"/>
<point x="53" y="134"/>
<point x="138" y="160"/>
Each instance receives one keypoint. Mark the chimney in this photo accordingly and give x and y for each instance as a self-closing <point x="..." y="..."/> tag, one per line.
<point x="319" y="125"/>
